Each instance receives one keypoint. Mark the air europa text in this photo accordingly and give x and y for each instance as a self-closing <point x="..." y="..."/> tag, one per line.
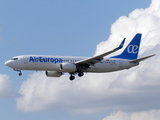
<point x="44" y="59"/>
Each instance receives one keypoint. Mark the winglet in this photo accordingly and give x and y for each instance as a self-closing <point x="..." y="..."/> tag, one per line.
<point x="95" y="59"/>
<point x="121" y="45"/>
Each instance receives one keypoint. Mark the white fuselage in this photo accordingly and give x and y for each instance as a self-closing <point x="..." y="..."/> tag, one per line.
<point x="55" y="66"/>
<point x="52" y="63"/>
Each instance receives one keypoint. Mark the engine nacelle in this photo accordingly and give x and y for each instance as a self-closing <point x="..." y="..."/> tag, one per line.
<point x="68" y="67"/>
<point x="53" y="74"/>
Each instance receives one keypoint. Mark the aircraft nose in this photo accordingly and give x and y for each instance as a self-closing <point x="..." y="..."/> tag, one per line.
<point x="8" y="63"/>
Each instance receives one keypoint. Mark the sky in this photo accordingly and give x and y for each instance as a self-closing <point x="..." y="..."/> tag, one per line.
<point x="79" y="28"/>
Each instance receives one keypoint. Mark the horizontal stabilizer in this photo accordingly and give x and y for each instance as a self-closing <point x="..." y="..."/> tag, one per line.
<point x="141" y="59"/>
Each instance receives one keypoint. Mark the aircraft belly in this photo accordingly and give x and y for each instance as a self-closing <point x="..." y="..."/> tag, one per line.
<point x="43" y="66"/>
<point x="73" y="65"/>
<point x="103" y="67"/>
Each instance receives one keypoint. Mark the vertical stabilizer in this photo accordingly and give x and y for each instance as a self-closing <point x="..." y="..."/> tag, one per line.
<point x="131" y="51"/>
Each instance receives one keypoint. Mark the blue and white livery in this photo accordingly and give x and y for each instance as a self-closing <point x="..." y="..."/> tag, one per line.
<point x="55" y="66"/>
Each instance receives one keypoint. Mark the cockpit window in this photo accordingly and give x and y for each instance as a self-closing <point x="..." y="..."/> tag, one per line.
<point x="14" y="58"/>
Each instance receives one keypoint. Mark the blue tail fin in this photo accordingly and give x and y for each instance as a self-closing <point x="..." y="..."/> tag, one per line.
<point x="131" y="51"/>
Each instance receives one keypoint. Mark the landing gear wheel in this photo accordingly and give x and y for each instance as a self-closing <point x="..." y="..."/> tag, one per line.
<point x="80" y="74"/>
<point x="20" y="74"/>
<point x="71" y="77"/>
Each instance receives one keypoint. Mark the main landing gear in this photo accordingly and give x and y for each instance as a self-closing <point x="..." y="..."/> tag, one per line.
<point x="72" y="77"/>
<point x="80" y="74"/>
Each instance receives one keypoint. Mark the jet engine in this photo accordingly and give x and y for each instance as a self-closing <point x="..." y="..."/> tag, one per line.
<point x="53" y="74"/>
<point x="68" y="67"/>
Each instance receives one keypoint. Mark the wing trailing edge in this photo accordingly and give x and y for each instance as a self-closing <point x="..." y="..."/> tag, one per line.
<point x="95" y="59"/>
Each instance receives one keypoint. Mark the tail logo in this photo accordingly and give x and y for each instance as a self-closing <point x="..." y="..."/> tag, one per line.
<point x="132" y="49"/>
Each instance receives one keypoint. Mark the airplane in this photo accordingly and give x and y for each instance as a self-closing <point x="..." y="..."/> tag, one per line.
<point x="55" y="66"/>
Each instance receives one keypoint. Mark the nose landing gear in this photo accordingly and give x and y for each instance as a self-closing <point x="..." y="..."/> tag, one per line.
<point x="20" y="73"/>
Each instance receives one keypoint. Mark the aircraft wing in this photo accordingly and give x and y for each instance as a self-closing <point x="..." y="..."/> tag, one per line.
<point x="93" y="60"/>
<point x="141" y="59"/>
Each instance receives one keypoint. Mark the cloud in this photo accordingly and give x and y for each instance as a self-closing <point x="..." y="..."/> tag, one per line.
<point x="144" y="115"/>
<point x="145" y="21"/>
<point x="136" y="89"/>
<point x="6" y="89"/>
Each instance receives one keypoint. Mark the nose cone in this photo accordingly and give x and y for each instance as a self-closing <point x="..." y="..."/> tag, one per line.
<point x="8" y="63"/>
